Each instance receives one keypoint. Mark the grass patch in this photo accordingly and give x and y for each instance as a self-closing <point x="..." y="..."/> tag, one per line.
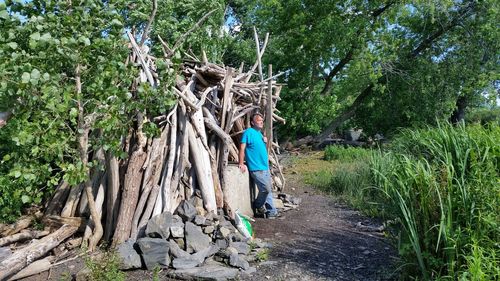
<point x="104" y="268"/>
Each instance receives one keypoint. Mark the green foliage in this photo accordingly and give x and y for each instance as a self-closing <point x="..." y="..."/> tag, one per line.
<point x="105" y="268"/>
<point x="342" y="153"/>
<point x="262" y="255"/>
<point x="442" y="184"/>
<point x="483" y="116"/>
<point x="333" y="50"/>
<point x="41" y="45"/>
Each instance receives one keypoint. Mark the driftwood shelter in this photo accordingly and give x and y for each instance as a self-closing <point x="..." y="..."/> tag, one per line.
<point x="199" y="137"/>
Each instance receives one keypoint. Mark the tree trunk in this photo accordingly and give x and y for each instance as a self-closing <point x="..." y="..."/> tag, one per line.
<point x="458" y="114"/>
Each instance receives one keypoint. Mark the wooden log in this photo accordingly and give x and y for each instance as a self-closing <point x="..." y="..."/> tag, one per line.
<point x="55" y="204"/>
<point x="96" y="174"/>
<point x="21" y="224"/>
<point x="226" y="100"/>
<point x="201" y="162"/>
<point x="69" y="208"/>
<point x="150" y="164"/>
<point x="25" y="256"/>
<point x="54" y="221"/>
<point x="35" y="268"/>
<point x="155" y="189"/>
<point x="130" y="196"/>
<point x="112" y="198"/>
<point x="169" y="168"/>
<point x="24" y="235"/>
<point x="182" y="156"/>
<point x="99" y="200"/>
<point x="269" y="111"/>
<point x="219" y="197"/>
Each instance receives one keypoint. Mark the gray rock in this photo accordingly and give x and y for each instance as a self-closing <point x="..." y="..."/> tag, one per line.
<point x="241" y="247"/>
<point x="159" y="226"/>
<point x="186" y="210"/>
<point x="129" y="258"/>
<point x="251" y="270"/>
<point x="208" y="229"/>
<point x="236" y="237"/>
<point x="196" y="259"/>
<point x="154" y="252"/>
<point x="238" y="261"/>
<point x="196" y="240"/>
<point x="181" y="243"/>
<point x="222" y="243"/>
<point x="199" y="220"/>
<point x="176" y="251"/>
<point x="231" y="250"/>
<point x="177" y="227"/>
<point x="212" y="271"/>
<point x="198" y="205"/>
<point x="224" y="232"/>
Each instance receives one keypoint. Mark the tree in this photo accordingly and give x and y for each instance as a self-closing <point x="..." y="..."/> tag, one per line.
<point x="362" y="59"/>
<point x="66" y="85"/>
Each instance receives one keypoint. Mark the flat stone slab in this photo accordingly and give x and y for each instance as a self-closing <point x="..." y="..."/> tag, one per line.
<point x="212" y="271"/>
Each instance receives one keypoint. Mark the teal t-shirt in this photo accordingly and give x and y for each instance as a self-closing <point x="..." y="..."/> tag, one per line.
<point x="255" y="151"/>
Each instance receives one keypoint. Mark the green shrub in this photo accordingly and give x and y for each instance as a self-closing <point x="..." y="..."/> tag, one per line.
<point x="336" y="152"/>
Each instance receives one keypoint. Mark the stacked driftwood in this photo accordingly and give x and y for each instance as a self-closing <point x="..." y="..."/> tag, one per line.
<point x="199" y="137"/>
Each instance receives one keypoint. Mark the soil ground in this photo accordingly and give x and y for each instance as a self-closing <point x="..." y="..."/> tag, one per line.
<point x="318" y="240"/>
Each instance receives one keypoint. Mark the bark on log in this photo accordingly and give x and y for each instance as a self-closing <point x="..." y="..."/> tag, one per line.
<point x="34" y="268"/>
<point x="112" y="198"/>
<point x="130" y="196"/>
<point x="25" y="256"/>
<point x="21" y="224"/>
<point x="25" y="235"/>
<point x="56" y="203"/>
<point x="204" y="175"/>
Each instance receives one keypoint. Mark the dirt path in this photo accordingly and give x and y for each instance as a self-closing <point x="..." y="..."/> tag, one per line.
<point x="320" y="241"/>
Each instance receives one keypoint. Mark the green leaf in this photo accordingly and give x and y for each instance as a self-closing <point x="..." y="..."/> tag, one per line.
<point x="13" y="45"/>
<point x="25" y="199"/>
<point x="17" y="174"/>
<point x="25" y="78"/>
<point x="35" y="74"/>
<point x="116" y="22"/>
<point x="35" y="36"/>
<point x="46" y="37"/>
<point x="4" y="14"/>
<point x="46" y="76"/>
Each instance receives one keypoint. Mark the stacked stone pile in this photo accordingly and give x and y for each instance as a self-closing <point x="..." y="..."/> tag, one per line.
<point x="190" y="243"/>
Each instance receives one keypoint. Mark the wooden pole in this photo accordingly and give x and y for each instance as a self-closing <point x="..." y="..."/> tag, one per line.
<point x="269" y="111"/>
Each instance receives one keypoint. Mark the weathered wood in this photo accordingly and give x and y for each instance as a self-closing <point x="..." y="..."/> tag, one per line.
<point x="112" y="193"/>
<point x="269" y="111"/>
<point x="35" y="268"/>
<point x="130" y="196"/>
<point x="24" y="235"/>
<point x="54" y="221"/>
<point x="200" y="164"/>
<point x="27" y="255"/>
<point x="169" y="168"/>
<point x="56" y="203"/>
<point x="99" y="200"/>
<point x="21" y="224"/>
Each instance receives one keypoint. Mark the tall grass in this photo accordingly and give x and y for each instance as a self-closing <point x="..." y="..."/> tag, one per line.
<point x="443" y="185"/>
